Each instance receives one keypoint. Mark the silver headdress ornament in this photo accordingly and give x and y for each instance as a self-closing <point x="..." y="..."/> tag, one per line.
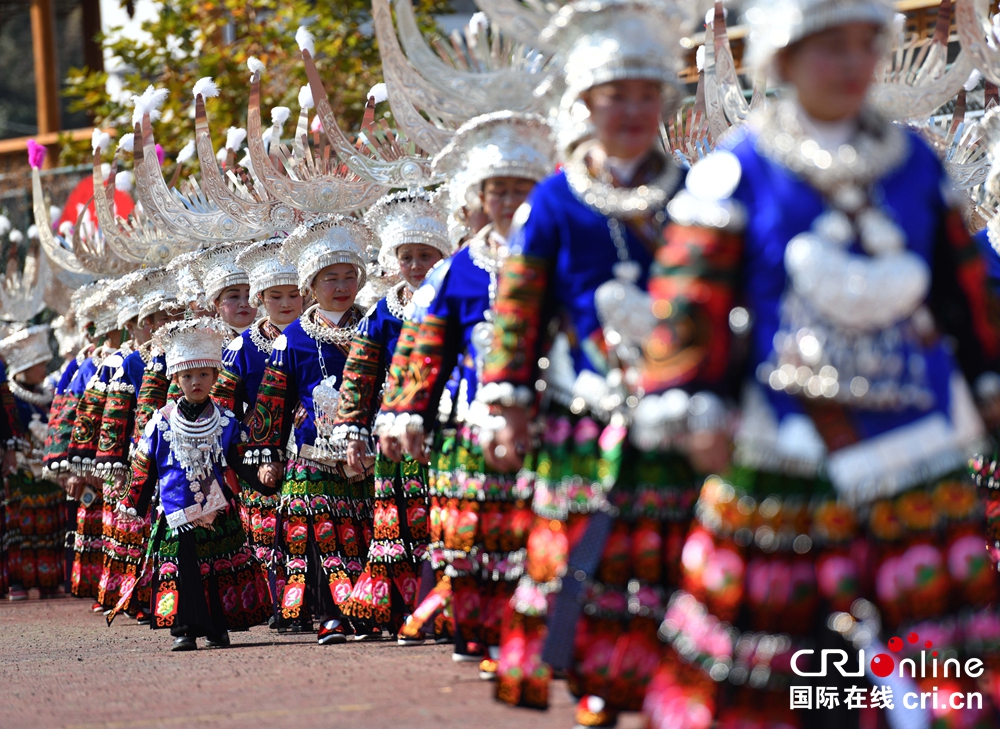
<point x="157" y="291"/>
<point x="26" y="348"/>
<point x="406" y="218"/>
<point x="264" y="265"/>
<point x="501" y="144"/>
<point x="22" y="293"/>
<point x="193" y="343"/>
<point x="611" y="40"/>
<point x="777" y="24"/>
<point x="327" y="241"/>
<point x="79" y="303"/>
<point x="127" y="303"/>
<point x="100" y="306"/>
<point x="189" y="288"/>
<point x="217" y="270"/>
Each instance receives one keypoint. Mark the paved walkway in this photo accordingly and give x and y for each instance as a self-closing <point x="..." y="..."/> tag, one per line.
<point x="60" y="666"/>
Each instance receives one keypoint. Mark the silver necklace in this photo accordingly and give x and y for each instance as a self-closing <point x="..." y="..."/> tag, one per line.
<point x="617" y="202"/>
<point x="394" y="301"/>
<point x="196" y="445"/>
<point x="876" y="148"/>
<point x="261" y="340"/>
<point x="339" y="334"/>
<point x="38" y="399"/>
<point x="486" y="259"/>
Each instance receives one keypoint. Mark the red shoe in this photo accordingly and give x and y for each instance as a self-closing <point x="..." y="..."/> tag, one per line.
<point x="329" y="635"/>
<point x="592" y="711"/>
<point x="97" y="608"/>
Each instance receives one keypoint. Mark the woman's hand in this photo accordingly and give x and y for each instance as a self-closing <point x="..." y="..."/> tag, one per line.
<point x="505" y="451"/>
<point x="391" y="447"/>
<point x="270" y="474"/>
<point x="358" y="459"/>
<point x="74" y="487"/>
<point x="414" y="443"/>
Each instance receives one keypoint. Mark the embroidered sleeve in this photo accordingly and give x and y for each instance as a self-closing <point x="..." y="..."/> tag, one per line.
<point x="360" y="388"/>
<point x="693" y="288"/>
<point x="270" y="424"/>
<point x="86" y="433"/>
<point x="224" y="390"/>
<point x="424" y="379"/>
<point x="152" y="395"/>
<point x="964" y="302"/>
<point x="116" y="427"/>
<point x="56" y="458"/>
<point x="393" y="390"/>
<point x="142" y="485"/>
<point x="517" y="330"/>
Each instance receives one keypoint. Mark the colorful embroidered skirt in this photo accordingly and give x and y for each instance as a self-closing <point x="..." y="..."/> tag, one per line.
<point x="125" y="545"/>
<point x="770" y="558"/>
<point x="601" y="563"/>
<point x="33" y="533"/>
<point x="386" y="591"/>
<point x="88" y="549"/>
<point x="479" y="523"/>
<point x="206" y="581"/>
<point x="322" y="540"/>
<point x="259" y="514"/>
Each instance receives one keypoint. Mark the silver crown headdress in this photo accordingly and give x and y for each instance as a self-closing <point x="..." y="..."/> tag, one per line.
<point x="217" y="270"/>
<point x="156" y="291"/>
<point x="405" y="218"/>
<point x="128" y="302"/>
<point x="777" y="24"/>
<point x="26" y="348"/>
<point x="192" y="343"/>
<point x="189" y="288"/>
<point x="101" y="306"/>
<point x="327" y="241"/>
<point x="601" y="41"/>
<point x="501" y="144"/>
<point x="264" y="265"/>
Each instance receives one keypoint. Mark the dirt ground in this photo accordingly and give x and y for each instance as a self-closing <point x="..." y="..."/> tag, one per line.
<point x="60" y="666"/>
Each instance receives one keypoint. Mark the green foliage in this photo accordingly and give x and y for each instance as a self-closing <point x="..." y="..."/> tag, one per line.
<point x="187" y="42"/>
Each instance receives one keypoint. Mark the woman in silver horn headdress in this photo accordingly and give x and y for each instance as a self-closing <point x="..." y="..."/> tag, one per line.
<point x="570" y="314"/>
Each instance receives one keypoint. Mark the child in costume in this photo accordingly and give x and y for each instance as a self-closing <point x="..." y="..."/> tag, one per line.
<point x="414" y="238"/>
<point x="324" y="505"/>
<point x="206" y="581"/>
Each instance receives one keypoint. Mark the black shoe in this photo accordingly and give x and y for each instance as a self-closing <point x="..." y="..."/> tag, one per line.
<point x="184" y="643"/>
<point x="272" y="623"/>
<point x="220" y="642"/>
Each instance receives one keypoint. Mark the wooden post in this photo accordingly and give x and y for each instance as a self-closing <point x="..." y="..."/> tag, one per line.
<point x="43" y="42"/>
<point x="93" y="54"/>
